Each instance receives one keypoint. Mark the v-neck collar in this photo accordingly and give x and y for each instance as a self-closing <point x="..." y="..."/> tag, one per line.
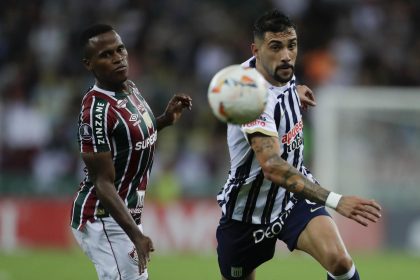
<point x="110" y="93"/>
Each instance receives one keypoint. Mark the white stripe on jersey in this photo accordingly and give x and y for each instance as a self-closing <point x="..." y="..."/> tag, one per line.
<point x="107" y="107"/>
<point x="130" y="150"/>
<point x="91" y="113"/>
<point x="247" y="196"/>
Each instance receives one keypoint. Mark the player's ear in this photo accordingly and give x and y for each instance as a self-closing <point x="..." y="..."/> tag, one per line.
<point x="87" y="64"/>
<point x="254" y="50"/>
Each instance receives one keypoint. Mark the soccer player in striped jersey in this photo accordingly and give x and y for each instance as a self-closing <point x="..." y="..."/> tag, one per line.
<point x="117" y="136"/>
<point x="270" y="195"/>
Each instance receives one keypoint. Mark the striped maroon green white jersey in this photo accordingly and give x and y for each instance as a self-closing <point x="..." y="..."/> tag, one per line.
<point x="124" y="125"/>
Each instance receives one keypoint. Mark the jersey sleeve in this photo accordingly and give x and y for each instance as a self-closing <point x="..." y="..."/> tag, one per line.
<point x="96" y="123"/>
<point x="265" y="124"/>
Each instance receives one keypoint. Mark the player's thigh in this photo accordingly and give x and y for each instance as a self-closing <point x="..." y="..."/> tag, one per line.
<point x="111" y="251"/>
<point x="241" y="248"/>
<point x="96" y="246"/>
<point x="124" y="252"/>
<point x="321" y="239"/>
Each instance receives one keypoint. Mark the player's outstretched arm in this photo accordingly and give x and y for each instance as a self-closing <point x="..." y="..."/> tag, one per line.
<point x="174" y="110"/>
<point x="102" y="173"/>
<point x="267" y="152"/>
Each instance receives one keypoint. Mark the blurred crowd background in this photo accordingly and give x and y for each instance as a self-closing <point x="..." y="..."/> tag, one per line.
<point x="175" y="46"/>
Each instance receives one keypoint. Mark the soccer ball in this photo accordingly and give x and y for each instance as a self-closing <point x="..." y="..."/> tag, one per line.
<point x="237" y="94"/>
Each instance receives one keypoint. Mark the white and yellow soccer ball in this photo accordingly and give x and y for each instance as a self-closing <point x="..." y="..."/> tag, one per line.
<point x="237" y="95"/>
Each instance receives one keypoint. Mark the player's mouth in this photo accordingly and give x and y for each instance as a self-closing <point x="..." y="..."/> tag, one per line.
<point x="284" y="69"/>
<point x="121" y="68"/>
<point x="285" y="72"/>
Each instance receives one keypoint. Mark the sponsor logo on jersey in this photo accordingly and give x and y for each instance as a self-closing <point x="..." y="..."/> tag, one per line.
<point x="293" y="138"/>
<point x="141" y="145"/>
<point x="85" y="132"/>
<point x="316" y="208"/>
<point x="297" y="142"/>
<point x="98" y="123"/>
<point x="134" y="117"/>
<point x="135" y="211"/>
<point x="261" y="121"/>
<point x="273" y="229"/>
<point x="291" y="134"/>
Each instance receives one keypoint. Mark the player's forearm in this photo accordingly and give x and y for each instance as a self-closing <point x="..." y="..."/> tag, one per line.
<point x="162" y="122"/>
<point x="115" y="206"/>
<point x="282" y="173"/>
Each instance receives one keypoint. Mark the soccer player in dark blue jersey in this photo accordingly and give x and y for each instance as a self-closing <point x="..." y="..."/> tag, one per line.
<point x="270" y="195"/>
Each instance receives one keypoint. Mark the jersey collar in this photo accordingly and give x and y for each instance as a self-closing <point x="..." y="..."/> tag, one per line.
<point x="107" y="92"/>
<point x="281" y="88"/>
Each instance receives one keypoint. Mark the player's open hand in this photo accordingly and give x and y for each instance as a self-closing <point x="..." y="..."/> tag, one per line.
<point x="175" y="107"/>
<point x="358" y="209"/>
<point x="306" y="96"/>
<point x="143" y="247"/>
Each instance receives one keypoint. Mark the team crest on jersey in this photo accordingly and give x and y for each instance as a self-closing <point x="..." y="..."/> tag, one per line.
<point x="122" y="103"/>
<point x="85" y="132"/>
<point x="133" y="255"/>
<point x="236" y="272"/>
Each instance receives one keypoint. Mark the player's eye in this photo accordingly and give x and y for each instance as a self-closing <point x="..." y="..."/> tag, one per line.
<point x="275" y="47"/>
<point x="105" y="55"/>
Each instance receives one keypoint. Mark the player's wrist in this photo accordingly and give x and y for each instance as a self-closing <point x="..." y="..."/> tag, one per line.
<point x="163" y="121"/>
<point x="332" y="200"/>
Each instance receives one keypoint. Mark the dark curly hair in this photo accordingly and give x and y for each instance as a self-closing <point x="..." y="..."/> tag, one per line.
<point x="90" y="32"/>
<point x="272" y="21"/>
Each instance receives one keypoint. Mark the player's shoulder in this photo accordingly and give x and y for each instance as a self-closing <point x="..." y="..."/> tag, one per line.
<point x="132" y="87"/>
<point x="94" y="98"/>
<point x="249" y="63"/>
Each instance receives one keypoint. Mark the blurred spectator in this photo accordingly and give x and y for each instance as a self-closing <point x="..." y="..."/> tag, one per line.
<point x="176" y="45"/>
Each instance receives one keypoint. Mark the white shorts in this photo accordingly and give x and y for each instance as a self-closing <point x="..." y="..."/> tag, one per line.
<point x="110" y="250"/>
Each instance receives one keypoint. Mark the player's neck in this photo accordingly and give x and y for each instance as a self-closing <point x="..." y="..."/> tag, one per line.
<point x="120" y="87"/>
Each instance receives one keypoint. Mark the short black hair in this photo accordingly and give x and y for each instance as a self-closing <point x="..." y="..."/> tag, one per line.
<point x="272" y="21"/>
<point x="92" y="31"/>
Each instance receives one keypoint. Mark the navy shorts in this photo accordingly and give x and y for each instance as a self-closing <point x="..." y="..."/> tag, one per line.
<point x="243" y="247"/>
